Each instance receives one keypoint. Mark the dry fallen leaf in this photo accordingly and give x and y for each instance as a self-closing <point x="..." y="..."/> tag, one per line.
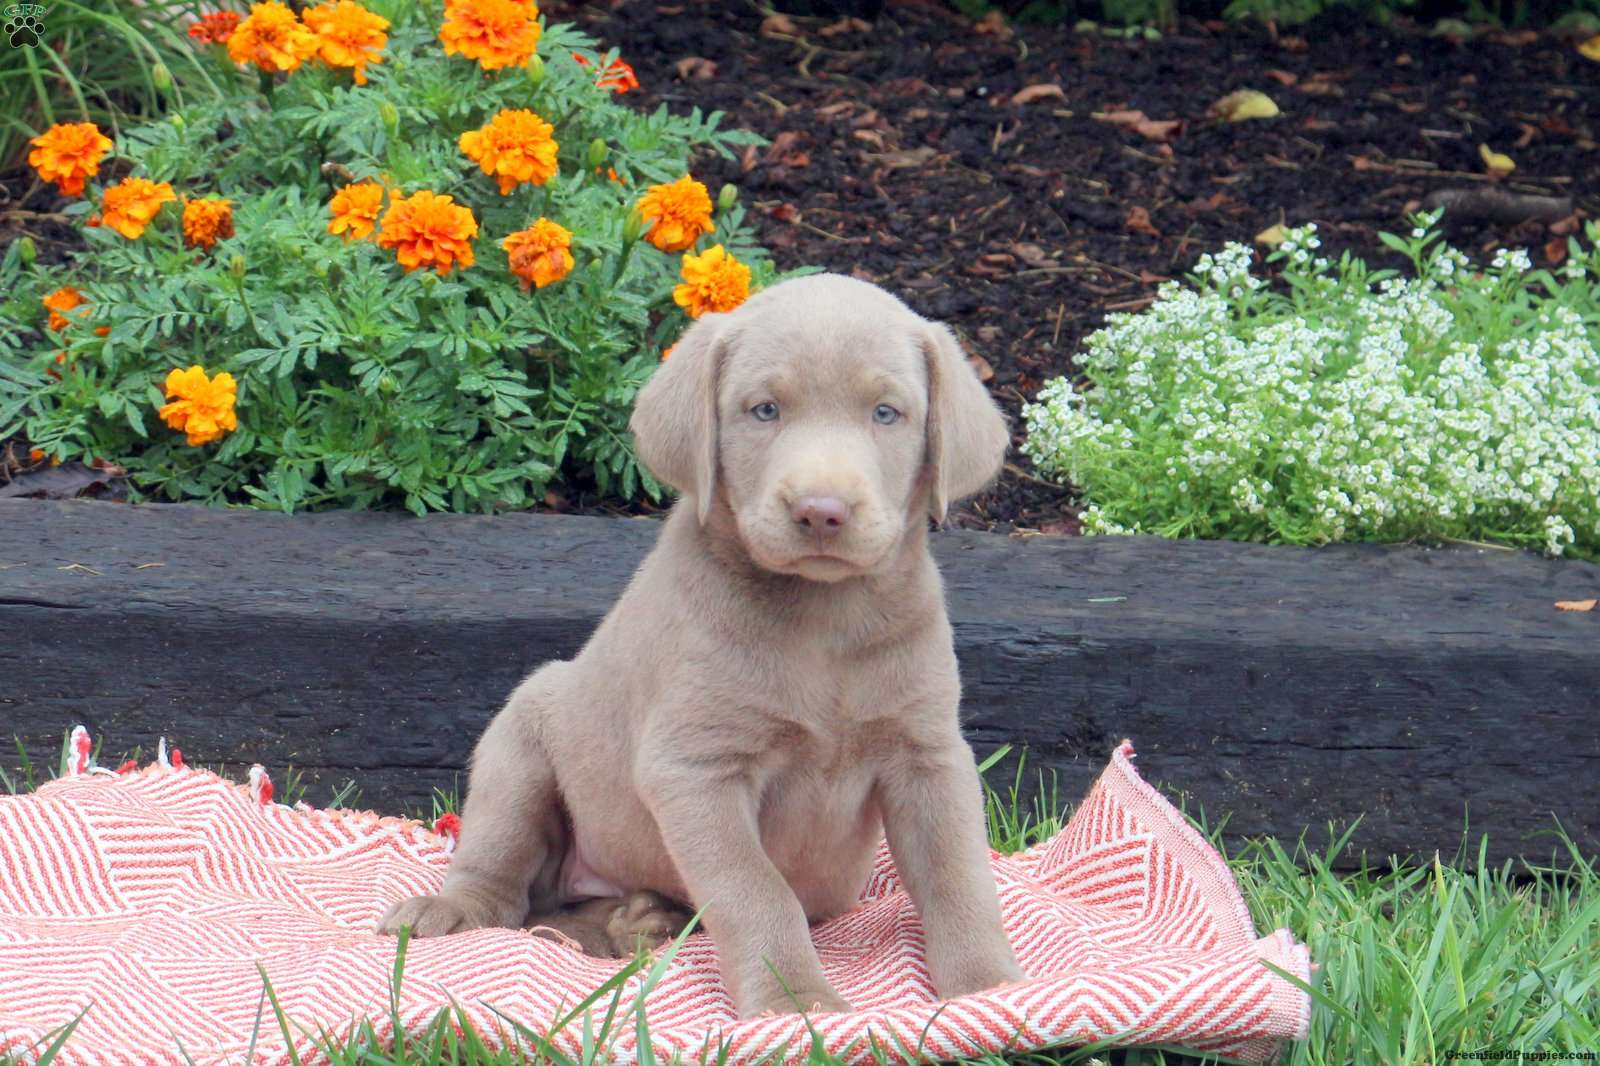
<point x="62" y="482"/>
<point x="902" y="157"/>
<point x="778" y="22"/>
<point x="1032" y="254"/>
<point x="848" y="24"/>
<point x="1272" y="236"/>
<point x="1138" y="221"/>
<point x="981" y="367"/>
<point x="1576" y="605"/>
<point x="1320" y="85"/>
<point x="1242" y="105"/>
<point x="1142" y="124"/>
<point x="1495" y="162"/>
<point x="1555" y="251"/>
<point x="695" y="68"/>
<point x="1283" y="77"/>
<point x="1590" y="49"/>
<point x="1042" y="91"/>
<point x="1565" y="227"/>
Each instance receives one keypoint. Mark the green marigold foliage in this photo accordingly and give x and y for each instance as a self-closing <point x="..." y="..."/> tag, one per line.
<point x="1355" y="405"/>
<point x="360" y="384"/>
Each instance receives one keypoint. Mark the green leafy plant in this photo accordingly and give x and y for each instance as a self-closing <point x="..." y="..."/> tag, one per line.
<point x="1351" y="405"/>
<point x="359" y="382"/>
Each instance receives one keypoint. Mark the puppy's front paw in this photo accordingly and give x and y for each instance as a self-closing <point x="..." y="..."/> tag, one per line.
<point x="965" y="976"/>
<point x="436" y="916"/>
<point x="822" y="1000"/>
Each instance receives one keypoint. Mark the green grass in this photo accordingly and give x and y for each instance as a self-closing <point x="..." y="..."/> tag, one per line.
<point x="97" y="62"/>
<point x="1416" y="961"/>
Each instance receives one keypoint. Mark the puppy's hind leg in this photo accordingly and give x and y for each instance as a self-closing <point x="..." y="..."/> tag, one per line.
<point x="615" y="928"/>
<point x="513" y="836"/>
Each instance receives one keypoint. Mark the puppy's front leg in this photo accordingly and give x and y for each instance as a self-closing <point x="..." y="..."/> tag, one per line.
<point x="711" y="831"/>
<point x="933" y="818"/>
<point x="511" y="834"/>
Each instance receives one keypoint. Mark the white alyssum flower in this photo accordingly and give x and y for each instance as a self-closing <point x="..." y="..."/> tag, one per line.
<point x="1356" y="411"/>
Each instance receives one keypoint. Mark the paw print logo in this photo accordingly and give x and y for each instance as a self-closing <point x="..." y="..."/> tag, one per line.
<point x="22" y="28"/>
<point x="24" y="32"/>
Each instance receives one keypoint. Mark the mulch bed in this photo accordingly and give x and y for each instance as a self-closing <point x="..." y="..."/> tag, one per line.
<point x="962" y="164"/>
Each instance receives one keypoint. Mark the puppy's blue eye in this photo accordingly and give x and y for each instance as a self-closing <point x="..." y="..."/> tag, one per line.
<point x="765" y="412"/>
<point x="884" y="415"/>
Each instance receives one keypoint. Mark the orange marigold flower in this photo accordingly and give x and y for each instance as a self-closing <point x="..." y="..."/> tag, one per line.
<point x="348" y="35"/>
<point x="713" y="281"/>
<point x="429" y="229"/>
<point x="131" y="204"/>
<point x="102" y="331"/>
<point x="497" y="33"/>
<point x="60" y="302"/>
<point x="355" y="209"/>
<point x="540" y="254"/>
<point x="272" y="38"/>
<point x="206" y="221"/>
<point x="201" y="406"/>
<point x="516" y="146"/>
<point x="681" y="213"/>
<point x="215" y="27"/>
<point x="68" y="154"/>
<point x="618" y="76"/>
<point x="666" y="353"/>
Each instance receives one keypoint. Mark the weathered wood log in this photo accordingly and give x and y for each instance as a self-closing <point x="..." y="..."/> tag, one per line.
<point x="1282" y="687"/>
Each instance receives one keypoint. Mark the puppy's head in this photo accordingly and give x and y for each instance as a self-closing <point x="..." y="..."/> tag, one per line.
<point x="828" y="415"/>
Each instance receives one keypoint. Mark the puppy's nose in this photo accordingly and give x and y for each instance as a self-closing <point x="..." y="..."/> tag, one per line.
<point x="821" y="514"/>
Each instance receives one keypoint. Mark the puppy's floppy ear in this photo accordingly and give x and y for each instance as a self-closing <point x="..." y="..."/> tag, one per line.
<point x="674" y="419"/>
<point x="966" y="433"/>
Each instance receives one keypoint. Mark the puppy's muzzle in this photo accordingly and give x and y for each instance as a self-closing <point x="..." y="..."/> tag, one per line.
<point x="820" y="516"/>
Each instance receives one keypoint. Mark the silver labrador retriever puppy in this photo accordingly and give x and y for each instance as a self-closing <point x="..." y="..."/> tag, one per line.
<point x="777" y="687"/>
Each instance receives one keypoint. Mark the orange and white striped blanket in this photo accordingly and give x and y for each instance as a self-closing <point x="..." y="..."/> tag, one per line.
<point x="146" y="900"/>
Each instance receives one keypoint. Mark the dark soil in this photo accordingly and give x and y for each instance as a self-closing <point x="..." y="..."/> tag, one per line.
<point x="901" y="153"/>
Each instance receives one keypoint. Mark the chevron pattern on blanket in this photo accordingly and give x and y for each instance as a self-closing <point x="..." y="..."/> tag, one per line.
<point x="150" y="896"/>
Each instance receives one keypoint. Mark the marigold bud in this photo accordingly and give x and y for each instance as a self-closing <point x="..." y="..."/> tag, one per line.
<point x="386" y="384"/>
<point x="535" y="71"/>
<point x="727" y="196"/>
<point x="390" y="116"/>
<point x="177" y="122"/>
<point x="597" y="152"/>
<point x="161" y="78"/>
<point x="634" y="226"/>
<point x="27" y="251"/>
<point x="236" y="267"/>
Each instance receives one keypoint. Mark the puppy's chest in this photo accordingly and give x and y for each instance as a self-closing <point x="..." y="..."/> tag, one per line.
<point x="819" y="781"/>
<point x="825" y="728"/>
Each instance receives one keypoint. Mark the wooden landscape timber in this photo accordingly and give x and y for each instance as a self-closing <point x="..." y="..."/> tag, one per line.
<point x="1282" y="687"/>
